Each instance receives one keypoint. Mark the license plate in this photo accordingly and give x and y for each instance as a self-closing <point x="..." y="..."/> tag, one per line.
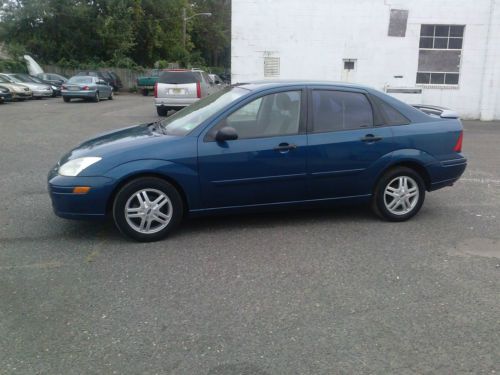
<point x="73" y="88"/>
<point x="178" y="91"/>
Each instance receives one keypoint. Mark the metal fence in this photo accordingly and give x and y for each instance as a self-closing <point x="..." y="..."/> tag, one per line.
<point x="127" y="76"/>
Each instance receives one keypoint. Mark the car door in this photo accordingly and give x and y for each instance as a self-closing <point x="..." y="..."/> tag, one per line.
<point x="267" y="163"/>
<point x="345" y="148"/>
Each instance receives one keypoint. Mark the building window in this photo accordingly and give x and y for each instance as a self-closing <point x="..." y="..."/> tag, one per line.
<point x="271" y="66"/>
<point x="440" y="53"/>
<point x="349" y="64"/>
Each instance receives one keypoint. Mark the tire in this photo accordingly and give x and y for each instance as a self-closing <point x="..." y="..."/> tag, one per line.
<point x="145" y="92"/>
<point x="162" y="111"/>
<point x="38" y="98"/>
<point x="66" y="100"/>
<point x="397" y="200"/>
<point x="136" y="227"/>
<point x="111" y="95"/>
<point x="96" y="97"/>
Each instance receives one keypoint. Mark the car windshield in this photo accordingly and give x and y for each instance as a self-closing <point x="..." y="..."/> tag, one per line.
<point x="23" y="78"/>
<point x="80" y="80"/>
<point x="14" y="79"/>
<point x="191" y="117"/>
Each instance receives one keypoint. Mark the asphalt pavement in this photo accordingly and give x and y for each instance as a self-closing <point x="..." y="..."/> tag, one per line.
<point x="332" y="291"/>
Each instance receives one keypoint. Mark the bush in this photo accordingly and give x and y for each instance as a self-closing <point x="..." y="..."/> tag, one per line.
<point x="13" y="66"/>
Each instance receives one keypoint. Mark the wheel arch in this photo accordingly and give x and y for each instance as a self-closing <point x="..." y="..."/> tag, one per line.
<point x="126" y="180"/>
<point x="412" y="164"/>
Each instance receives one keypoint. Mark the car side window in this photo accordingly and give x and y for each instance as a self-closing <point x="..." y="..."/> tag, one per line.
<point x="268" y="116"/>
<point x="340" y="110"/>
<point x="391" y="116"/>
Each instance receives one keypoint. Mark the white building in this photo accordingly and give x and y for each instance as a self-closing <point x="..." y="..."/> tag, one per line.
<point x="441" y="52"/>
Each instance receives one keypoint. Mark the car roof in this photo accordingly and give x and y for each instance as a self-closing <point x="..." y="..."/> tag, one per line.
<point x="262" y="85"/>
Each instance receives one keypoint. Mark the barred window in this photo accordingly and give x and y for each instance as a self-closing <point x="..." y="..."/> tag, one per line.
<point x="440" y="54"/>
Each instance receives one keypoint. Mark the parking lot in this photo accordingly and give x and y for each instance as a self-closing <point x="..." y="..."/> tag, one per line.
<point x="301" y="292"/>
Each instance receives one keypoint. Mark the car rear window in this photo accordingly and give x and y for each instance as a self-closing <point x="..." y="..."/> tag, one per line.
<point x="80" y="80"/>
<point x="176" y="78"/>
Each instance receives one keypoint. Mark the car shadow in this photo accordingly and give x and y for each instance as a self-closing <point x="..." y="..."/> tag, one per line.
<point x="106" y="230"/>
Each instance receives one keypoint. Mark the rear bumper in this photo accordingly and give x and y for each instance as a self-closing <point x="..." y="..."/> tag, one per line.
<point x="90" y="206"/>
<point x="175" y="102"/>
<point x="446" y="173"/>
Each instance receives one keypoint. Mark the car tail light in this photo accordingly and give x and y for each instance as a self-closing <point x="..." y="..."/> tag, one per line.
<point x="458" y="146"/>
<point x="198" y="89"/>
<point x="63" y="87"/>
<point x="85" y="88"/>
<point x="156" y="90"/>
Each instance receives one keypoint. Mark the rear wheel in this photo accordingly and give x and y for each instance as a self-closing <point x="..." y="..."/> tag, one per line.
<point x="66" y="99"/>
<point x="111" y="95"/>
<point x="145" y="92"/>
<point x="162" y="111"/>
<point x="147" y="209"/>
<point x="399" y="194"/>
<point x="96" y="97"/>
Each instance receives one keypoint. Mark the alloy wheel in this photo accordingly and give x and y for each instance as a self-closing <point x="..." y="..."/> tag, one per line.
<point x="401" y="195"/>
<point x="148" y="211"/>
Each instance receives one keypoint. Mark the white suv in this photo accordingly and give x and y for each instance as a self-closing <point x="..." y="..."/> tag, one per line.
<point x="179" y="88"/>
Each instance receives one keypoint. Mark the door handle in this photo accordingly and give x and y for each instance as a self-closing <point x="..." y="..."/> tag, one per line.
<point x="371" y="138"/>
<point x="285" y="147"/>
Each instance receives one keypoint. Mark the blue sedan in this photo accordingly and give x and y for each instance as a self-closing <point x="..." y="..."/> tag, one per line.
<point x="260" y="146"/>
<point x="86" y="87"/>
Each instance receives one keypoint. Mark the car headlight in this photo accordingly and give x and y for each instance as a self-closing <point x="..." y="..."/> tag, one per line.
<point x="53" y="87"/>
<point x="73" y="167"/>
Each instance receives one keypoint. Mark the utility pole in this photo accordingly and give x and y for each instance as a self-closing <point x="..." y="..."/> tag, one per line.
<point x="184" y="23"/>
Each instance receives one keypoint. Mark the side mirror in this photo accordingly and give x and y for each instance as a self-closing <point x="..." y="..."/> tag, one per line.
<point x="227" y="133"/>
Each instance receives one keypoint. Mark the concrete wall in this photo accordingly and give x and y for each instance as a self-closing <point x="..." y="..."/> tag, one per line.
<point x="312" y="38"/>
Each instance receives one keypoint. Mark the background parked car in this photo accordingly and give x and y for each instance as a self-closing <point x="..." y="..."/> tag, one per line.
<point x="18" y="91"/>
<point x="56" y="89"/>
<point x="110" y="77"/>
<point x="52" y="78"/>
<point x="115" y="80"/>
<point x="179" y="88"/>
<point x="216" y="80"/>
<point x="5" y="95"/>
<point x="86" y="87"/>
<point x="145" y="84"/>
<point x="39" y="90"/>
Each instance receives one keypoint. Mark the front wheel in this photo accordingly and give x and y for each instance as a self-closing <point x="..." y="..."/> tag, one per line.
<point x="66" y="99"/>
<point x="399" y="194"/>
<point x="111" y="95"/>
<point x="147" y="209"/>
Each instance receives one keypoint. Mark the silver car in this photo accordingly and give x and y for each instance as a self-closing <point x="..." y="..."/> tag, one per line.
<point x="179" y="88"/>
<point x="40" y="90"/>
<point x="86" y="87"/>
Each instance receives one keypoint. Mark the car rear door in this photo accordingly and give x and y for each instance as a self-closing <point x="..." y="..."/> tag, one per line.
<point x="345" y="148"/>
<point x="267" y="163"/>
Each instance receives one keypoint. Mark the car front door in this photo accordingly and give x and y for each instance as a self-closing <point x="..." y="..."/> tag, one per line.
<point x="346" y="149"/>
<point x="266" y="163"/>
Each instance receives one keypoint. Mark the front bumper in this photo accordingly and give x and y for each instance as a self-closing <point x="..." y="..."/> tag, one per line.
<point x="21" y="95"/>
<point x="86" y="94"/>
<point x="6" y="97"/>
<point x="90" y="206"/>
<point x="42" y="93"/>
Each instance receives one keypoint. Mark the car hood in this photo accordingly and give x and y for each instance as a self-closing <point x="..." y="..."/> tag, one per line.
<point x="14" y="87"/>
<point x="36" y="86"/>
